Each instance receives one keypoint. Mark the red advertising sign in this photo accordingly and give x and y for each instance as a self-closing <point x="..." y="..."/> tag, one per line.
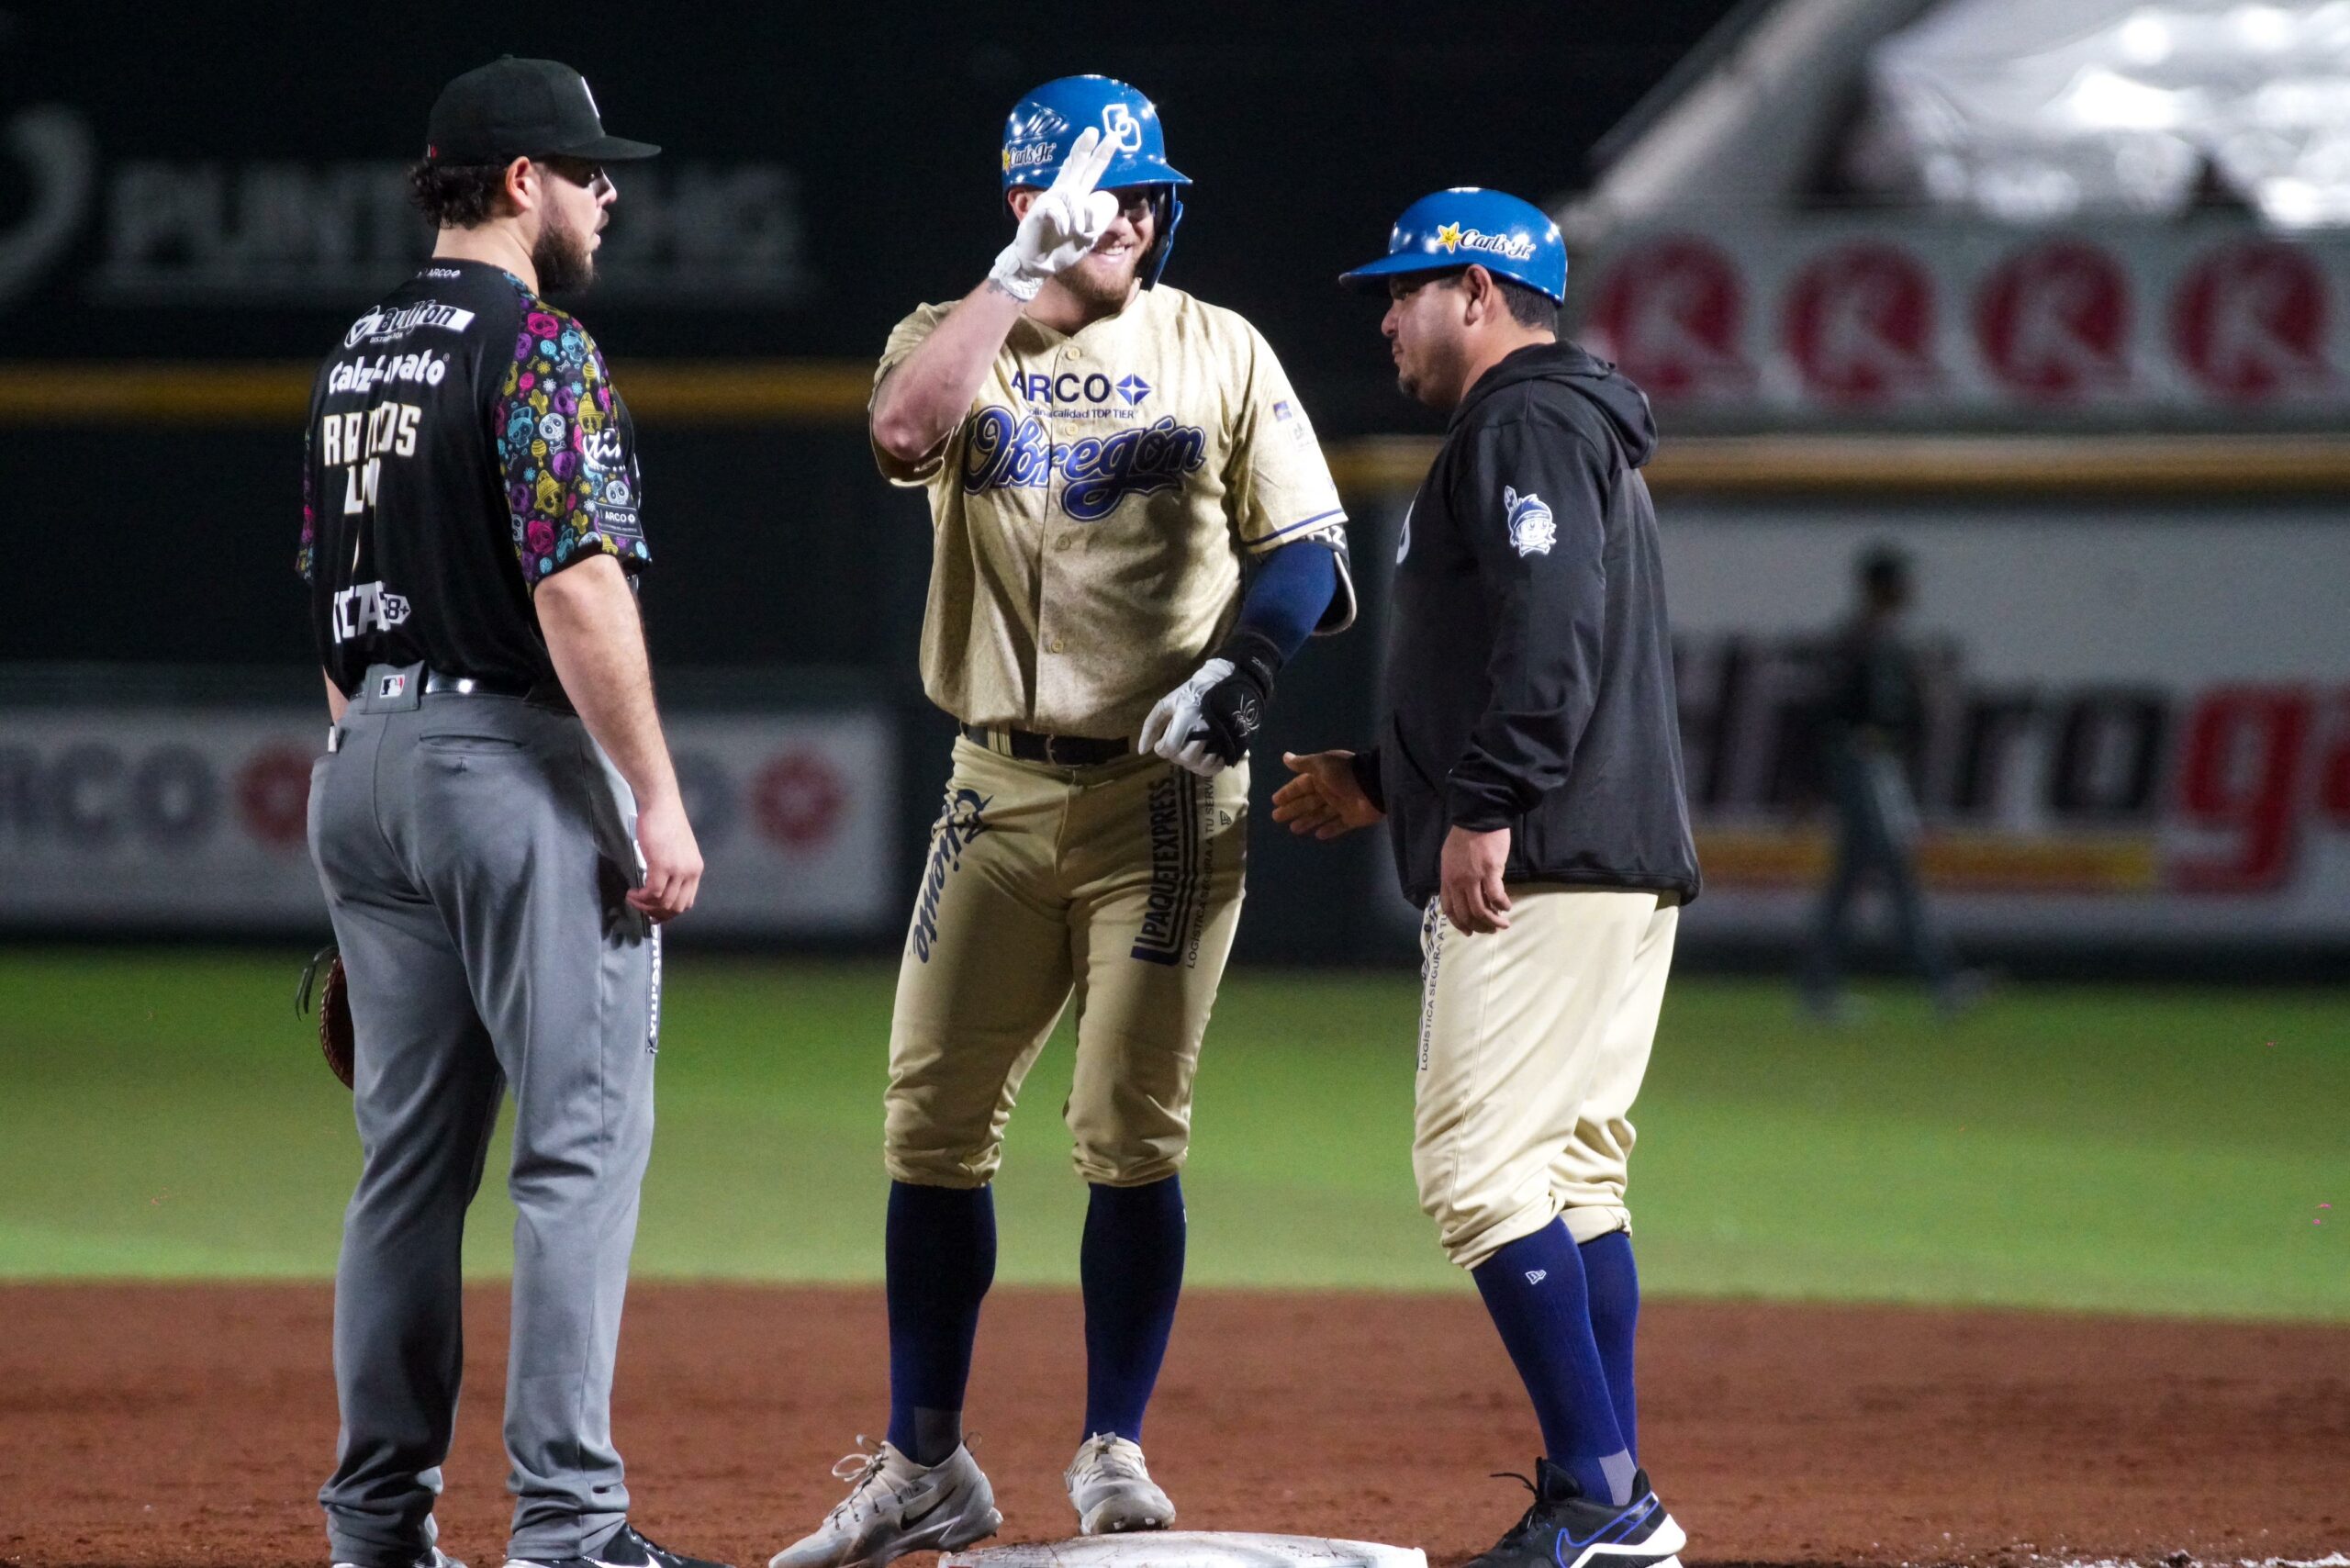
<point x="1860" y="323"/>
<point x="800" y="800"/>
<point x="1670" y="313"/>
<point x="2053" y="322"/>
<point x="2249" y="321"/>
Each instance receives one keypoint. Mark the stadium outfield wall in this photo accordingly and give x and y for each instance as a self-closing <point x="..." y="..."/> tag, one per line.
<point x="2140" y="700"/>
<point x="2140" y="737"/>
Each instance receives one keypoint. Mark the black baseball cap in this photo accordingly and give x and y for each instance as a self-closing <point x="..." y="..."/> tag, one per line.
<point x="523" y="108"/>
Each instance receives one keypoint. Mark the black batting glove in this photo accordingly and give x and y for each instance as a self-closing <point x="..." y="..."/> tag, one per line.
<point x="1233" y="710"/>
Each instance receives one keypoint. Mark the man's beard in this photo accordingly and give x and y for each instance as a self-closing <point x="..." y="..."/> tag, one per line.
<point x="561" y="257"/>
<point x="1089" y="287"/>
<point x="1419" y="382"/>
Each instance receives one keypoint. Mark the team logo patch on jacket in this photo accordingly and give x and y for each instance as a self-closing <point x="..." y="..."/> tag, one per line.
<point x="1532" y="529"/>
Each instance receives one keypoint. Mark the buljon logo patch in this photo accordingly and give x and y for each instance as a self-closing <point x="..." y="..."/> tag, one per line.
<point x="1532" y="529"/>
<point x="602" y="448"/>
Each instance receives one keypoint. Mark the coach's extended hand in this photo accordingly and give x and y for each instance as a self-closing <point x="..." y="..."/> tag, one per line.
<point x="1326" y="799"/>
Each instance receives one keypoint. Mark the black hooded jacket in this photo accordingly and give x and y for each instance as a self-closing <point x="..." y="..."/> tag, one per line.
<point x="1529" y="667"/>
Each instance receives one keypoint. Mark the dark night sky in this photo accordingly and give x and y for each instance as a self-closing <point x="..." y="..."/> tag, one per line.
<point x="1306" y="129"/>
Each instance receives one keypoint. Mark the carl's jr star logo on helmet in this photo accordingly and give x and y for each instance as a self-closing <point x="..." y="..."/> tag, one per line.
<point x="1517" y="247"/>
<point x="1455" y="239"/>
<point x="1532" y="529"/>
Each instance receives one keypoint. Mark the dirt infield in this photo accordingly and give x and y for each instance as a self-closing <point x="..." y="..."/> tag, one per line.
<point x="148" y="1424"/>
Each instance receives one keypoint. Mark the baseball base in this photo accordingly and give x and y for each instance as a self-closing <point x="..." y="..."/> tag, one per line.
<point x="1192" y="1549"/>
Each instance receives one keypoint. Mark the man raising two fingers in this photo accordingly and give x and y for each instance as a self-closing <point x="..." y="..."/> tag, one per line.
<point x="1132" y="530"/>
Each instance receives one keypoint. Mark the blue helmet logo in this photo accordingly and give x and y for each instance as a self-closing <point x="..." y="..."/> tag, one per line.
<point x="1038" y="134"/>
<point x="1466" y="224"/>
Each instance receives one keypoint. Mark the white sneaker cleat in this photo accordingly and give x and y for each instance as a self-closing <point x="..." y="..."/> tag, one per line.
<point x="894" y="1506"/>
<point x="1112" y="1489"/>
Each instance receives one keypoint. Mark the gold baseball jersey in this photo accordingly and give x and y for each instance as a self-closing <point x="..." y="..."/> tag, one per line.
<point x="1091" y="512"/>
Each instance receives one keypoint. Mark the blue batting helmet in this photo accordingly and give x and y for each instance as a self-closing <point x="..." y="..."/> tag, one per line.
<point x="1453" y="228"/>
<point x="1043" y="125"/>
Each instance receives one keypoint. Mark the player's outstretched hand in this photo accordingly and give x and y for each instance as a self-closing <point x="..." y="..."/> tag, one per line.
<point x="1063" y="226"/>
<point x="1469" y="879"/>
<point x="1325" y="799"/>
<point x="672" y="861"/>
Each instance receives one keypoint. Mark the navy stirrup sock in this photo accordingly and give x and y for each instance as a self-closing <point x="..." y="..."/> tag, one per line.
<point x="1534" y="1288"/>
<point x="1132" y="1265"/>
<point x="1613" y="1285"/>
<point x="940" y="1254"/>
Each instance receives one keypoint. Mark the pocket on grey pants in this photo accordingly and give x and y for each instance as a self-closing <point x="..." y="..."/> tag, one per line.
<point x="459" y="741"/>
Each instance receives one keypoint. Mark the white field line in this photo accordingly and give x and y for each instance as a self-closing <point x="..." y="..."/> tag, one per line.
<point x="2334" y="1560"/>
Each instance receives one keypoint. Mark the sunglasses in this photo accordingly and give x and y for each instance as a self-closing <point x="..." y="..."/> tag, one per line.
<point x="582" y="171"/>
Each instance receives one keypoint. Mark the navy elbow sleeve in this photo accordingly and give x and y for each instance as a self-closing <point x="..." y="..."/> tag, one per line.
<point x="1289" y="589"/>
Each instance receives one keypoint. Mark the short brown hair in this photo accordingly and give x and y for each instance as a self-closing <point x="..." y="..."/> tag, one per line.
<point x="1528" y="306"/>
<point x="457" y="196"/>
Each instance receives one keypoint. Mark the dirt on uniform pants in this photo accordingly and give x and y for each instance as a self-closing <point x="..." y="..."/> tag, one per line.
<point x="152" y="1425"/>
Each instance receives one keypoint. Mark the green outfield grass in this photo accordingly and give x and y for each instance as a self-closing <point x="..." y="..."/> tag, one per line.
<point x="2128" y="1150"/>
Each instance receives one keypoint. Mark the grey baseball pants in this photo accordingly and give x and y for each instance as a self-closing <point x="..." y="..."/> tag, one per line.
<point x="476" y="853"/>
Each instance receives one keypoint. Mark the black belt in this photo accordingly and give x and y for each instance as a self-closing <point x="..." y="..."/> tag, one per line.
<point x="437" y="684"/>
<point x="546" y="693"/>
<point x="1060" y="751"/>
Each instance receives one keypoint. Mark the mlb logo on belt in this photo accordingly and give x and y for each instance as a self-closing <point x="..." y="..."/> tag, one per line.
<point x="392" y="685"/>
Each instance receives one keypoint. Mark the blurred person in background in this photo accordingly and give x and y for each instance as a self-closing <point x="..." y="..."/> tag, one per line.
<point x="1872" y="725"/>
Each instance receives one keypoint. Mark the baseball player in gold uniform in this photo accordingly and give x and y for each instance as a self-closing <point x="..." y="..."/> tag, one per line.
<point x="1134" y="530"/>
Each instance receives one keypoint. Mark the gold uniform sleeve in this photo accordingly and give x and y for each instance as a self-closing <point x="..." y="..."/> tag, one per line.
<point x="1281" y="488"/>
<point x="904" y="338"/>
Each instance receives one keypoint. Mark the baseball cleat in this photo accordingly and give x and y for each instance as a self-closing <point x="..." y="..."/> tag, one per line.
<point x="434" y="1558"/>
<point x="624" y="1548"/>
<point x="1566" y="1529"/>
<point x="1112" y="1489"/>
<point x="894" y="1506"/>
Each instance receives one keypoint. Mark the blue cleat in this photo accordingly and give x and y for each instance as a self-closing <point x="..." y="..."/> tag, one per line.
<point x="1566" y="1529"/>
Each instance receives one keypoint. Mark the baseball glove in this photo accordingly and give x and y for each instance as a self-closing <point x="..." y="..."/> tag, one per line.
<point x="334" y="1008"/>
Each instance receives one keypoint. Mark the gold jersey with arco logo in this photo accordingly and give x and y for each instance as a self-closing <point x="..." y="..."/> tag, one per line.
<point x="1091" y="512"/>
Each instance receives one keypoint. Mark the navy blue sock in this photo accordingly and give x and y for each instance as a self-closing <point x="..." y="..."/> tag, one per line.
<point x="1534" y="1289"/>
<point x="940" y="1253"/>
<point x="1132" y="1265"/>
<point x="1613" y="1285"/>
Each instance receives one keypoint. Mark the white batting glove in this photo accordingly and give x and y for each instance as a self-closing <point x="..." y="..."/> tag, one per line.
<point x="1174" y="730"/>
<point x="1062" y="225"/>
